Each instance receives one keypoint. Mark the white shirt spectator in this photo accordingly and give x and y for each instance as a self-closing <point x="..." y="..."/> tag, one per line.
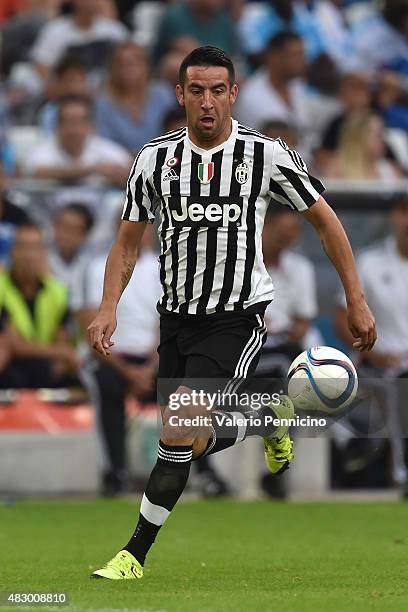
<point x="96" y="151"/>
<point x="378" y="44"/>
<point x="137" y="317"/>
<point x="295" y="293"/>
<point x="384" y="277"/>
<point x="70" y="273"/>
<point x="336" y="38"/>
<point x="61" y="33"/>
<point x="259" y="102"/>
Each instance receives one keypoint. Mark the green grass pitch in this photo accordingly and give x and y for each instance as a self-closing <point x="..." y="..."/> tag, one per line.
<point x="213" y="556"/>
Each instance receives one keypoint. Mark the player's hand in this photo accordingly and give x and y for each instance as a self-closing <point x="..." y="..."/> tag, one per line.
<point x="101" y="330"/>
<point x="362" y="326"/>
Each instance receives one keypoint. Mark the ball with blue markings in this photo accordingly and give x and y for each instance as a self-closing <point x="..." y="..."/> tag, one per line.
<point x="322" y="379"/>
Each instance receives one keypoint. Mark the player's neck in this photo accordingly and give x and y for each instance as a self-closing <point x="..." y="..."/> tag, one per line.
<point x="214" y="142"/>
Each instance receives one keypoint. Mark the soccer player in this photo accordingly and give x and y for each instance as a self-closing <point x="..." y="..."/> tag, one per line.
<point x="211" y="183"/>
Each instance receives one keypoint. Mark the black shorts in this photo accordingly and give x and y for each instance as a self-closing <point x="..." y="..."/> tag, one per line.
<point x="219" y="346"/>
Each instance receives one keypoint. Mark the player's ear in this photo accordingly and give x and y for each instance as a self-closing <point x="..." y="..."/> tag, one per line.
<point x="180" y="94"/>
<point x="233" y="93"/>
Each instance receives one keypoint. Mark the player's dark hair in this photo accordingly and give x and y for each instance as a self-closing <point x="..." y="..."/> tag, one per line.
<point x="69" y="62"/>
<point x="280" y="40"/>
<point x="75" y="99"/>
<point x="79" y="209"/>
<point x="207" y="56"/>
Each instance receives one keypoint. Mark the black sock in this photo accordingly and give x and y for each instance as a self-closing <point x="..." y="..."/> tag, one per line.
<point x="229" y="428"/>
<point x="166" y="483"/>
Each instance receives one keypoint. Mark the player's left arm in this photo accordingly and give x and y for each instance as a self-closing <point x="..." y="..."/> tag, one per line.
<point x="337" y="247"/>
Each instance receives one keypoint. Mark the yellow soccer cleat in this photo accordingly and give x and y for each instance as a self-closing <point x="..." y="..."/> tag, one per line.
<point x="122" y="567"/>
<point x="278" y="447"/>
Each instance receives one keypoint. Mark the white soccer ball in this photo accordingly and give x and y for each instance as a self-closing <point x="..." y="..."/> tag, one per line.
<point x="322" y="379"/>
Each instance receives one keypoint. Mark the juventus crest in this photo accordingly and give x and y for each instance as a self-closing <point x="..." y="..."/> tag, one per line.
<point x="242" y="173"/>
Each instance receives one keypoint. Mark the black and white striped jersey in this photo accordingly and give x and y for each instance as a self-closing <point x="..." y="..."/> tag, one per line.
<point x="212" y="205"/>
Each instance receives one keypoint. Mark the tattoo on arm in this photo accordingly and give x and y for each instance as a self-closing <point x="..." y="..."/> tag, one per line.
<point x="129" y="265"/>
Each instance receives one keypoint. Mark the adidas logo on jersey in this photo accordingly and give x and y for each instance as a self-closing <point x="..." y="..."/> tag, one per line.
<point x="188" y="211"/>
<point x="171" y="176"/>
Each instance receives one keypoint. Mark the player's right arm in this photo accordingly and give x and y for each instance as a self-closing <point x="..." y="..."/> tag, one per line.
<point x="137" y="212"/>
<point x="119" y="269"/>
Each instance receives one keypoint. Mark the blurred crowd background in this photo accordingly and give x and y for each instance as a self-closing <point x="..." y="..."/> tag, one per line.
<point x="85" y="83"/>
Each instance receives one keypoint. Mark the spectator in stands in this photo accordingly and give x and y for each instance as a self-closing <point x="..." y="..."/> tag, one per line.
<point x="280" y="129"/>
<point x="208" y="21"/>
<point x="85" y="33"/>
<point x="288" y="318"/>
<point x="361" y="151"/>
<point x="70" y="78"/>
<point x="277" y="16"/>
<point x="277" y="91"/>
<point x="37" y="310"/>
<point x="11" y="216"/>
<point x="131" y="366"/>
<point x="336" y="37"/>
<point x="75" y="154"/>
<point x="24" y="20"/>
<point x="131" y="110"/>
<point x="355" y="96"/>
<point x="174" y="120"/>
<point x="381" y="39"/>
<point x="168" y="68"/>
<point x="67" y="253"/>
<point x="383" y="270"/>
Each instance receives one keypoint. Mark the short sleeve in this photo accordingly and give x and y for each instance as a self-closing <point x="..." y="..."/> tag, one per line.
<point x="290" y="183"/>
<point x="139" y="192"/>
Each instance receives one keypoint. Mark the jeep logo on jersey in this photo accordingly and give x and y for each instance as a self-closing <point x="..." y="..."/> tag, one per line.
<point x="205" y="172"/>
<point x="242" y="173"/>
<point x="192" y="211"/>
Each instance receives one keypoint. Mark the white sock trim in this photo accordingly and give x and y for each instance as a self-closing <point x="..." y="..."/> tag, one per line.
<point x="152" y="513"/>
